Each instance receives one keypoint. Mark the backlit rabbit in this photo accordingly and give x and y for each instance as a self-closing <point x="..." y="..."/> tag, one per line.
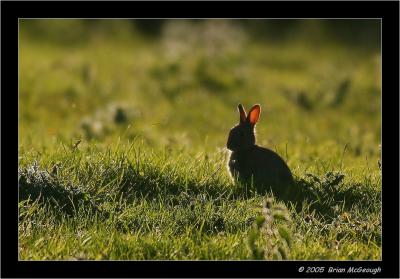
<point x="251" y="163"/>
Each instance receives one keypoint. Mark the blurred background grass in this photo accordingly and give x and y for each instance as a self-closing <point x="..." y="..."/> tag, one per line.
<point x="177" y="82"/>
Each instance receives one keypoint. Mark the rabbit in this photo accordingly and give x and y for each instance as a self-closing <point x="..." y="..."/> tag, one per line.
<point x="249" y="162"/>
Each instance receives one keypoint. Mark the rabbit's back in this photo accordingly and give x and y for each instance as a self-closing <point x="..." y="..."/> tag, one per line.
<point x="261" y="165"/>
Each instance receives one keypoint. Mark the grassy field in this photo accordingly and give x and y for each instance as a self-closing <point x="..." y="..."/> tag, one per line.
<point x="122" y="143"/>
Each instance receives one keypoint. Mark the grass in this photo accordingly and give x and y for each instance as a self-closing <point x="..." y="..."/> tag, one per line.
<point x="121" y="145"/>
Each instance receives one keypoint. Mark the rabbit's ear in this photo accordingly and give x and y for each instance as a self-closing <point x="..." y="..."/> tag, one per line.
<point x="254" y="114"/>
<point x="242" y="113"/>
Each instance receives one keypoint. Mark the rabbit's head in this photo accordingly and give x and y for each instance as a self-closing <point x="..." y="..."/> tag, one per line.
<point x="242" y="135"/>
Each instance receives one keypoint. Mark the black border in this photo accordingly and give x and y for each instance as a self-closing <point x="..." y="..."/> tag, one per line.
<point x="11" y="11"/>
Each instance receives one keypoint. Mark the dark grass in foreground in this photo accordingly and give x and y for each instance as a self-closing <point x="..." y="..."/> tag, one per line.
<point x="135" y="203"/>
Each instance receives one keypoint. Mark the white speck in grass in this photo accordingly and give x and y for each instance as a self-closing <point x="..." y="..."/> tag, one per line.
<point x="97" y="126"/>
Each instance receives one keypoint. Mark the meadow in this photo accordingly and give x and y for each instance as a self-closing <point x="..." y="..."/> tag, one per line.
<point x="122" y="142"/>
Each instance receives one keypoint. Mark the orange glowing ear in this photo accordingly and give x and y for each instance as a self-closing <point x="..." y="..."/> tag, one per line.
<point x="254" y="114"/>
<point x="242" y="113"/>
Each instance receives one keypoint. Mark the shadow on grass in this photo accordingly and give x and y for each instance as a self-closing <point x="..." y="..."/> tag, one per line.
<point x="324" y="194"/>
<point x="327" y="195"/>
<point x="37" y="184"/>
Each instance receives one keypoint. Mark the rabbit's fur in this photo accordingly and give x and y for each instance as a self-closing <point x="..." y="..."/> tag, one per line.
<point x="249" y="162"/>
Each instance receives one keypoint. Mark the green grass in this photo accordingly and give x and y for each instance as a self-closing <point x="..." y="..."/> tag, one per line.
<point x="122" y="145"/>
